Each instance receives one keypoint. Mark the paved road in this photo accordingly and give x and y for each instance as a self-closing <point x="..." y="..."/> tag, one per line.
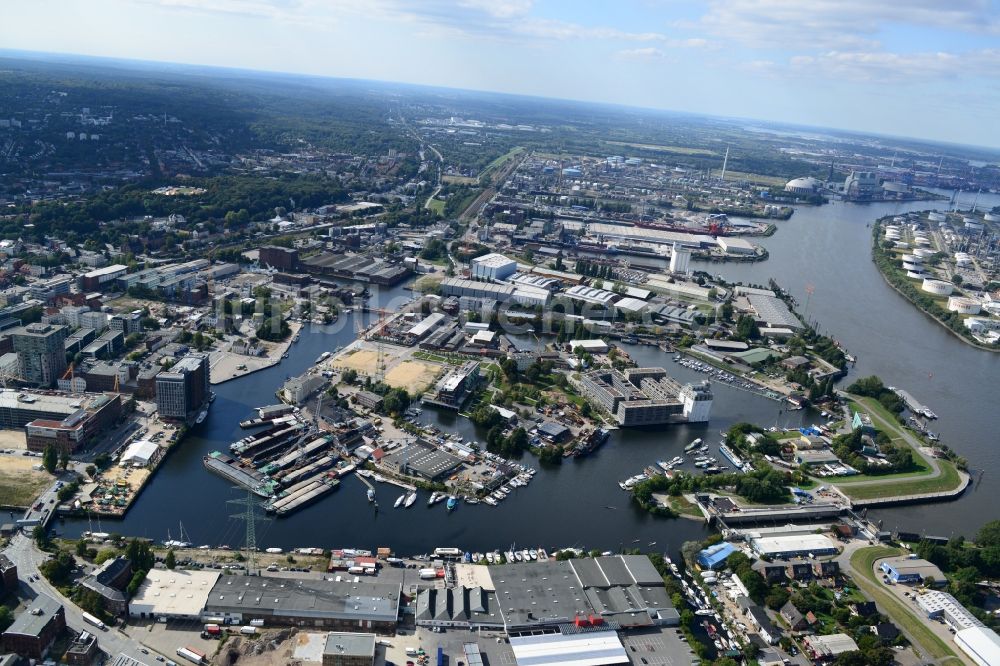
<point x="23" y="552"/>
<point x="844" y="559"/>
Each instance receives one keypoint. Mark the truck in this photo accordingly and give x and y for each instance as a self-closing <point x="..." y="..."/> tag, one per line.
<point x="249" y="631"/>
<point x="256" y="623"/>
<point x="90" y="619"/>
<point x="428" y="574"/>
<point x="196" y="656"/>
<point x="213" y="629"/>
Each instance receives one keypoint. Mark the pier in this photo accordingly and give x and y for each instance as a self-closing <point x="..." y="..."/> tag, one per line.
<point x="913" y="404"/>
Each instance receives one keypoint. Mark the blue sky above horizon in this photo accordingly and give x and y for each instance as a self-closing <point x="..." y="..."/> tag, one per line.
<point x="922" y="68"/>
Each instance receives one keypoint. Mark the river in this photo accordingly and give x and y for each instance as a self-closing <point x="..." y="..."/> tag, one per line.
<point x="579" y="503"/>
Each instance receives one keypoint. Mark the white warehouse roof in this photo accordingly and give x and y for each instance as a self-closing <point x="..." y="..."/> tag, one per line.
<point x="799" y="543"/>
<point x="493" y="259"/>
<point x="588" y="649"/>
<point x="177" y="593"/>
<point x="982" y="644"/>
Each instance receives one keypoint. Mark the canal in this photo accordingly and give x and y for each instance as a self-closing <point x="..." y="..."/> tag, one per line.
<point x="579" y="503"/>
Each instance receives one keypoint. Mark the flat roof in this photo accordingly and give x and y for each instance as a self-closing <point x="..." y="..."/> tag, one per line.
<point x="173" y="592"/>
<point x="773" y="311"/>
<point x="493" y="260"/>
<point x="594" y="648"/>
<point x="793" y="543"/>
<point x="290" y="597"/>
<point x="355" y="645"/>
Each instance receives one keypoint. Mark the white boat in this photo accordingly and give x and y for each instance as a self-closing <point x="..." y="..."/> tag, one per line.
<point x="509" y="555"/>
<point x="371" y="495"/>
<point x="476" y="557"/>
<point x="201" y="416"/>
<point x="432" y="499"/>
<point x="525" y="555"/>
<point x="489" y="558"/>
<point x="542" y="555"/>
<point x="490" y="501"/>
<point x="533" y="553"/>
<point x="410" y="499"/>
<point x="399" y="501"/>
<point x="517" y="556"/>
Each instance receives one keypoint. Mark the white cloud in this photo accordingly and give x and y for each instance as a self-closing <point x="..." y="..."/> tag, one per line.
<point x="647" y="53"/>
<point x="884" y="67"/>
<point x="838" y="24"/>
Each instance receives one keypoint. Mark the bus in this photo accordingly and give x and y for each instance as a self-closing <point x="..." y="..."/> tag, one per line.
<point x="90" y="619"/>
<point x="191" y="655"/>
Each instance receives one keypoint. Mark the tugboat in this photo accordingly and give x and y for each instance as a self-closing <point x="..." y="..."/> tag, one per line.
<point x="452" y="503"/>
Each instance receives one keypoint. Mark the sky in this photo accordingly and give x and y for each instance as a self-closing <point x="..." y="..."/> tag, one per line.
<point x="927" y="69"/>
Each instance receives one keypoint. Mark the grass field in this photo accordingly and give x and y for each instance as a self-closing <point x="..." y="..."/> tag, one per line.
<point x="679" y="150"/>
<point x="755" y="178"/>
<point x="19" y="483"/>
<point x="902" y="483"/>
<point x="436" y="205"/>
<point x="863" y="562"/>
<point x="948" y="480"/>
<point x="459" y="180"/>
<point x="495" y="164"/>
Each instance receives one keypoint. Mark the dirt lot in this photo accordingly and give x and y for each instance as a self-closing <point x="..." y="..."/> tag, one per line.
<point x="19" y="483"/>
<point x="363" y="361"/>
<point x="13" y="439"/>
<point x="414" y="376"/>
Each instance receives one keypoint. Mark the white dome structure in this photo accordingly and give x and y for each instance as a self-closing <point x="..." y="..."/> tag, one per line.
<point x="805" y="185"/>
<point x="937" y="287"/>
<point x="964" y="305"/>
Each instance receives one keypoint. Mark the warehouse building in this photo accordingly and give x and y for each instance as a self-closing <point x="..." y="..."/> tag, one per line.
<point x="796" y="545"/>
<point x="772" y="312"/>
<point x="591" y="648"/>
<point x="827" y="648"/>
<point x="70" y="421"/>
<point x="942" y="605"/>
<point x="911" y="570"/>
<point x="623" y="590"/>
<point x="493" y="266"/>
<point x="174" y="594"/>
<point x="982" y="644"/>
<point x="735" y="246"/>
<point x="331" y="604"/>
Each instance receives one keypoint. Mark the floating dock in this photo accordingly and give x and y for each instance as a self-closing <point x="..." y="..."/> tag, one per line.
<point x="913" y="405"/>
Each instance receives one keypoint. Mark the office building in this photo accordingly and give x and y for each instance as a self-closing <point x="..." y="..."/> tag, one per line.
<point x="127" y="323"/>
<point x="69" y="422"/>
<point x="183" y="390"/>
<point x="41" y="352"/>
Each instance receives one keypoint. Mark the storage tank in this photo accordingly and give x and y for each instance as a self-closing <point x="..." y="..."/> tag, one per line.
<point x="916" y="275"/>
<point x="991" y="217"/>
<point x="935" y="216"/>
<point x="937" y="287"/>
<point x="964" y="305"/>
<point x="923" y="252"/>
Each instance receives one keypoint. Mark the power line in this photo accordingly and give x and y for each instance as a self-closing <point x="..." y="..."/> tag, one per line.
<point x="250" y="517"/>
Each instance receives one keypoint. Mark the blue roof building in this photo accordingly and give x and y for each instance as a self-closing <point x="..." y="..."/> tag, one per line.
<point x="715" y="556"/>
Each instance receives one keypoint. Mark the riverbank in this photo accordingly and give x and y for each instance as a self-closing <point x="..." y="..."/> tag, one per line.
<point x="902" y="286"/>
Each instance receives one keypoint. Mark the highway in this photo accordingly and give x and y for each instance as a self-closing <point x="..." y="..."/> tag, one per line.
<point x="23" y="552"/>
